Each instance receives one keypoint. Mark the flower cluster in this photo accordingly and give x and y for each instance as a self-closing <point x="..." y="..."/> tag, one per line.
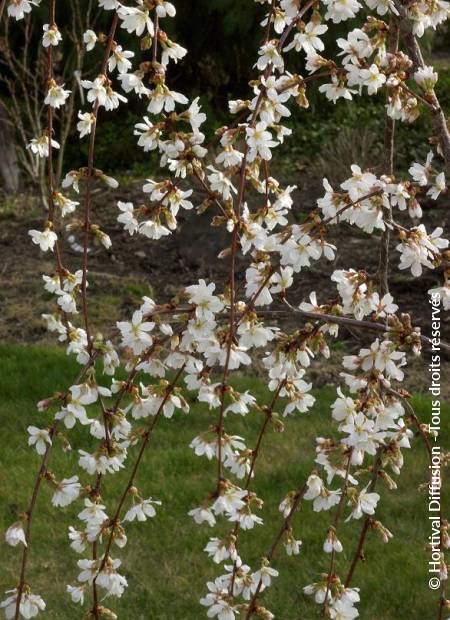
<point x="210" y="329"/>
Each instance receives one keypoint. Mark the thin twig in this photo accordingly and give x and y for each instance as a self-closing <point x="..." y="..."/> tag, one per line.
<point x="343" y="320"/>
<point x="367" y="521"/>
<point x="415" y="52"/>
<point x="256" y="452"/>
<point x="285" y="526"/>
<point x="145" y="440"/>
<point x="35" y="492"/>
<point x="388" y="169"/>
<point x="88" y="191"/>
<point x="334" y="528"/>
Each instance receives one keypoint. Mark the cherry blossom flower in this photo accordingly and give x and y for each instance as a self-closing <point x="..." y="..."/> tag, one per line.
<point x="332" y="543"/>
<point x="66" y="492"/>
<point x="419" y="249"/>
<point x="342" y="611"/>
<point x="39" y="438"/>
<point x="52" y="35"/>
<point x="108" y="5"/>
<point x="15" y="534"/>
<point x="120" y="59"/>
<point x="372" y="78"/>
<point x="220" y="550"/>
<point x="426" y="77"/>
<point x="109" y="579"/>
<point x="269" y="55"/>
<point x="40" y="146"/>
<point x="292" y="545"/>
<point x="341" y="10"/>
<point x="135" y="334"/>
<point x="127" y="217"/>
<point x="265" y="575"/>
<point x="89" y="39"/>
<point x="365" y="503"/>
<point x="30" y="604"/>
<point x="136" y="19"/>
<point x="78" y="539"/>
<point x="171" y="51"/>
<point x="76" y="593"/>
<point x="420" y="173"/>
<point x="56" y="96"/>
<point x="142" y="510"/>
<point x="260" y="142"/>
<point x="217" y="602"/>
<point x="19" y="8"/>
<point x="356" y="46"/>
<point x="282" y="280"/>
<point x="206" y="304"/>
<point x="45" y="240"/>
<point x="203" y="515"/>
<point x="162" y="98"/>
<point x="85" y="123"/>
<point x="309" y="40"/>
<point x="336" y="90"/>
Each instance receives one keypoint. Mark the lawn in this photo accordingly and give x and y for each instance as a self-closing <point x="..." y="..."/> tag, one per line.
<point x="163" y="561"/>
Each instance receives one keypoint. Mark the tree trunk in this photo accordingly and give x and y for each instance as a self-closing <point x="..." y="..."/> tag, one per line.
<point x="9" y="165"/>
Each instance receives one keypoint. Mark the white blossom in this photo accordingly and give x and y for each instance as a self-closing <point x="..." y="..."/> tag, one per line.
<point x="15" y="534"/>
<point x="142" y="510"/>
<point x="39" y="438"/>
<point x="66" y="492"/>
<point x="51" y="36"/>
<point x="30" y="604"/>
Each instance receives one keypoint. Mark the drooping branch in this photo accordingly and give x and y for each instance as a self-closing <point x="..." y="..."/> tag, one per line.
<point x="268" y="413"/>
<point x="367" y="522"/>
<point x="424" y="436"/>
<point x="145" y="440"/>
<point x="441" y="127"/>
<point x="349" y="322"/>
<point x="388" y="168"/>
<point x="36" y="489"/>
<point x="89" y="186"/>
<point x="334" y="527"/>
<point x="269" y="556"/>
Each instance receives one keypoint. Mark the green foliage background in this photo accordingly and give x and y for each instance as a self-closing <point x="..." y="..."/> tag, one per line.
<point x="222" y="37"/>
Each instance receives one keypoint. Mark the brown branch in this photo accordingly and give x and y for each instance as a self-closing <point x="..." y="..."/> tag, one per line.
<point x="415" y="52"/>
<point x="285" y="526"/>
<point x="29" y="513"/>
<point x="388" y="169"/>
<point x="145" y="440"/>
<point x="34" y="495"/>
<point x="334" y="528"/>
<point x="230" y="339"/>
<point x="426" y="440"/>
<point x="212" y="195"/>
<point x="367" y="522"/>
<point x="343" y="320"/>
<point x="255" y="454"/>
<point x="88" y="191"/>
<point x="126" y="385"/>
<point x="375" y="192"/>
<point x="155" y="38"/>
<point x="234" y="242"/>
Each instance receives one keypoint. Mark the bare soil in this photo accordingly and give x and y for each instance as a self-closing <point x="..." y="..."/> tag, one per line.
<point x="135" y="266"/>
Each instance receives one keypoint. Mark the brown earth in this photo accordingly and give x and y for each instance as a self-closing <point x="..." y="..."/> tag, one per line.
<point x="136" y="266"/>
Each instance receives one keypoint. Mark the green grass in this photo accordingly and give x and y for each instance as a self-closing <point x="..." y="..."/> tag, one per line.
<point x="163" y="561"/>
